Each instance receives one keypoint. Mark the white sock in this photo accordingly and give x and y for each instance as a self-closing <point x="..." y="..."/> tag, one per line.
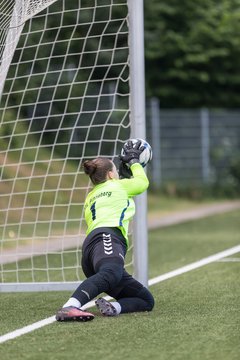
<point x="117" y="306"/>
<point x="73" y="302"/>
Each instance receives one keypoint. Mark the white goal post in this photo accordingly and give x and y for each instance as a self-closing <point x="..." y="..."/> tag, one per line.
<point x="71" y="88"/>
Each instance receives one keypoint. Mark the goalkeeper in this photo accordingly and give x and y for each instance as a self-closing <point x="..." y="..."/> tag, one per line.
<point x="108" y="209"/>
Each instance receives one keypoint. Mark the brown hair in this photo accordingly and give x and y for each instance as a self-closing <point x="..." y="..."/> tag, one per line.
<point x="97" y="169"/>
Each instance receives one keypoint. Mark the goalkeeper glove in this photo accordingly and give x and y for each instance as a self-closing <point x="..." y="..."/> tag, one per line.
<point x="132" y="152"/>
<point x="124" y="171"/>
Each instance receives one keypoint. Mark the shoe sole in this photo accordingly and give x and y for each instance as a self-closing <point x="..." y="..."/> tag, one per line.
<point x="103" y="307"/>
<point x="74" y="318"/>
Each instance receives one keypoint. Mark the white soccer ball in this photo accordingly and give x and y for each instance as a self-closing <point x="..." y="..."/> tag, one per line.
<point x="146" y="154"/>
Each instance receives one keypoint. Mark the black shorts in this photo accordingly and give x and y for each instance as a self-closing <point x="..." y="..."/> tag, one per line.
<point x="100" y="245"/>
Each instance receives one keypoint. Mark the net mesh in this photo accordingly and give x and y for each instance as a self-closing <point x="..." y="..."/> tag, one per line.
<point x="65" y="69"/>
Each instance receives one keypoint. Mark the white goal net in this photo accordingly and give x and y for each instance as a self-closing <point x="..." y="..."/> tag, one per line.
<point x="64" y="90"/>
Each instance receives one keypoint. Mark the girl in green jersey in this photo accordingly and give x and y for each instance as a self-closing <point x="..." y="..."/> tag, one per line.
<point x="108" y="209"/>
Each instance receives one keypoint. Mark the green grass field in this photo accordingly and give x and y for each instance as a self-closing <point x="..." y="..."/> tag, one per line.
<point x="196" y="315"/>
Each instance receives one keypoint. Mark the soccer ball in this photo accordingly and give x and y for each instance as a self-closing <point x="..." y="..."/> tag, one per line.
<point x="146" y="154"/>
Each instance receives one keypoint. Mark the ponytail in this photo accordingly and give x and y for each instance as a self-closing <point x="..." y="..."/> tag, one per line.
<point x="97" y="169"/>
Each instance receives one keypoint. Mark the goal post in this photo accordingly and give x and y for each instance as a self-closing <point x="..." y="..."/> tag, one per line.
<point x="71" y="88"/>
<point x="138" y="128"/>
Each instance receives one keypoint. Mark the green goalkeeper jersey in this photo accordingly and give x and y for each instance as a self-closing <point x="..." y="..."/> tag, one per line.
<point x="110" y="204"/>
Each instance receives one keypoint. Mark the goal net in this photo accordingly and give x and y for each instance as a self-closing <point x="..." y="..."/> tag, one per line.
<point x="64" y="91"/>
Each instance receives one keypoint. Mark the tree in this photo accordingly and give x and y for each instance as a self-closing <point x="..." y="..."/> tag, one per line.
<point x="192" y="52"/>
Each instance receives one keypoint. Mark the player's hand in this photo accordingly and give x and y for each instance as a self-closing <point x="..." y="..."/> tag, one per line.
<point x="124" y="171"/>
<point x="132" y="152"/>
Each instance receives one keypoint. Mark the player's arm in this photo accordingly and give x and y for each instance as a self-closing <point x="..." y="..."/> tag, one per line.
<point x="138" y="183"/>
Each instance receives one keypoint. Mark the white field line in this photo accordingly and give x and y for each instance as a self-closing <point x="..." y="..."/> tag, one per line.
<point x="196" y="265"/>
<point x="169" y="275"/>
<point x="230" y="259"/>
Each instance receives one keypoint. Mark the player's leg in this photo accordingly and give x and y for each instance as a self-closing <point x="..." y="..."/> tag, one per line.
<point x="109" y="274"/>
<point x="104" y="271"/>
<point x="131" y="296"/>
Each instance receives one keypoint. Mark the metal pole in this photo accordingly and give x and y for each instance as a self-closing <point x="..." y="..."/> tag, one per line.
<point x="156" y="142"/>
<point x="205" y="144"/>
<point x="138" y="129"/>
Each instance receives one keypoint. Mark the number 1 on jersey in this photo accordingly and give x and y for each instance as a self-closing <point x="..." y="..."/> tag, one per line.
<point x="93" y="210"/>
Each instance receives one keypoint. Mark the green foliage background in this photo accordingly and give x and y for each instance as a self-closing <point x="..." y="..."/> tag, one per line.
<point x="192" y="49"/>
